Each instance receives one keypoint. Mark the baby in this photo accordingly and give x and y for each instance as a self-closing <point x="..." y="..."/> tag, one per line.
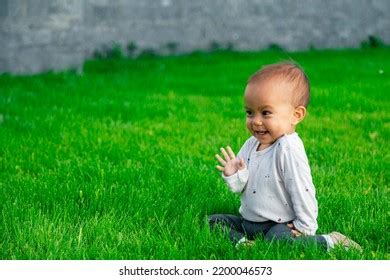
<point x="271" y="170"/>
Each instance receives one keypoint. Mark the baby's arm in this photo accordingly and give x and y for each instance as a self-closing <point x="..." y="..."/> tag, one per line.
<point x="233" y="170"/>
<point x="298" y="182"/>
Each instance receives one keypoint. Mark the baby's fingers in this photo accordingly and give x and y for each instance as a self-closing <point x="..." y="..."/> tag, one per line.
<point x="241" y="164"/>
<point x="225" y="154"/>
<point x="231" y="153"/>
<point x="296" y="233"/>
<point x="220" y="168"/>
<point x="221" y="160"/>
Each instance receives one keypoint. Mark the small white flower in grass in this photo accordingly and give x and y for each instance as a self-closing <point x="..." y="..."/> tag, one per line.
<point x="381" y="71"/>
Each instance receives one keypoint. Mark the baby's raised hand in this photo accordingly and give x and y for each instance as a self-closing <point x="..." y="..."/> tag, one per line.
<point x="230" y="164"/>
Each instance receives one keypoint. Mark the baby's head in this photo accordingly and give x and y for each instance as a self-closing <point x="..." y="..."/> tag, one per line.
<point x="276" y="98"/>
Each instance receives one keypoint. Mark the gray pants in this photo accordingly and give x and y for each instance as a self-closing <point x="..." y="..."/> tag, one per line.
<point x="237" y="228"/>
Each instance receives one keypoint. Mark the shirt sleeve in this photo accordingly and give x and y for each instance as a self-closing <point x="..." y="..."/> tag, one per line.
<point x="237" y="181"/>
<point x="298" y="182"/>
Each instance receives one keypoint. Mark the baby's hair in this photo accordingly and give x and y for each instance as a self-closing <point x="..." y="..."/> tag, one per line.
<point x="290" y="72"/>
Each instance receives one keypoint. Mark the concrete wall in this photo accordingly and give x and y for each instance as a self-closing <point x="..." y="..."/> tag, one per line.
<point x="39" y="35"/>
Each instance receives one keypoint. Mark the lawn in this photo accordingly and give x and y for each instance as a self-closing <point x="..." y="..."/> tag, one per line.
<point x="118" y="162"/>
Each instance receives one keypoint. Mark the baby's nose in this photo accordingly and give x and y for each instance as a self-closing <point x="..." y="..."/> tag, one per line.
<point x="258" y="122"/>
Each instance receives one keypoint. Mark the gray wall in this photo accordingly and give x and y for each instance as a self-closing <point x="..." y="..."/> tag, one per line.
<point x="39" y="35"/>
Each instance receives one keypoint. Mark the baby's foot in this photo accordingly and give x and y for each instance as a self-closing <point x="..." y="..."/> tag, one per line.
<point x="244" y="243"/>
<point x="340" y="239"/>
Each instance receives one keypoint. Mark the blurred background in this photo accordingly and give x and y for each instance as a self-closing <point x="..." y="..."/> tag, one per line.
<point x="41" y="35"/>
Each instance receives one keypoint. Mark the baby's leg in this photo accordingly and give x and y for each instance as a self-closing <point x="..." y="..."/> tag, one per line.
<point x="254" y="229"/>
<point x="283" y="232"/>
<point x="279" y="232"/>
<point x="231" y="224"/>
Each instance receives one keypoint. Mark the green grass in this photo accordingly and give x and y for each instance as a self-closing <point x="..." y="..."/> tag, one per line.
<point x="118" y="163"/>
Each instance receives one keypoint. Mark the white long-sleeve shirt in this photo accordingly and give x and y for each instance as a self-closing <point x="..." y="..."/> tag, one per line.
<point x="276" y="184"/>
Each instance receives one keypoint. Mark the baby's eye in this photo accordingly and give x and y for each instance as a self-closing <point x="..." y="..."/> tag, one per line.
<point x="248" y="113"/>
<point x="266" y="113"/>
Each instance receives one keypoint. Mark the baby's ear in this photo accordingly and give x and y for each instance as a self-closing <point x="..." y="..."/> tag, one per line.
<point x="299" y="114"/>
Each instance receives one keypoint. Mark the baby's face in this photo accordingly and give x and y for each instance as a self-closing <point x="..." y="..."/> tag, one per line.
<point x="269" y="111"/>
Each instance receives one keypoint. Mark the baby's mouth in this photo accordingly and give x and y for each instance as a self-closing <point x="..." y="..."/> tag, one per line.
<point x="260" y="132"/>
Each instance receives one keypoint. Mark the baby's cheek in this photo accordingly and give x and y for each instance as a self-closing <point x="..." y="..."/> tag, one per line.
<point x="249" y="125"/>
